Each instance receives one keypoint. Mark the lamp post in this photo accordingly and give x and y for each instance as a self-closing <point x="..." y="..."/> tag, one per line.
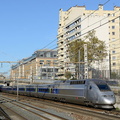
<point x="17" y="87"/>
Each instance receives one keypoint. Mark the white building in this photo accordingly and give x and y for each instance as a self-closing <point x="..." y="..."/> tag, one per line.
<point x="76" y="22"/>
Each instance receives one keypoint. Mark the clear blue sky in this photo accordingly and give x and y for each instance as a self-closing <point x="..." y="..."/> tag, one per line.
<point x="29" y="25"/>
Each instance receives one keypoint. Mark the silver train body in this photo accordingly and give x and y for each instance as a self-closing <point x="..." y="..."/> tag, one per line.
<point x="90" y="92"/>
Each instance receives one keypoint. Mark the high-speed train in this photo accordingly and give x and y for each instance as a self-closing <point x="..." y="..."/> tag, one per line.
<point x="90" y="92"/>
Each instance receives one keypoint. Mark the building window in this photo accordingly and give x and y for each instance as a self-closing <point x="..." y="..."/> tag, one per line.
<point x="78" y="27"/>
<point x="113" y="14"/>
<point x="77" y="34"/>
<point x="50" y="70"/>
<point x="113" y="27"/>
<point x="72" y="31"/>
<point x="67" y="27"/>
<point x="113" y="57"/>
<point x="48" y="54"/>
<point x="61" y="36"/>
<point x="113" y="33"/>
<point x="61" y="42"/>
<point x="72" y="37"/>
<point x="41" y="61"/>
<point x="105" y="14"/>
<point x="54" y="62"/>
<point x="72" y="24"/>
<point x="113" y="21"/>
<point x="55" y="55"/>
<point x="67" y="32"/>
<point x="77" y="21"/>
<point x="44" y="70"/>
<point x="113" y="39"/>
<point x="41" y="55"/>
<point x="55" y="70"/>
<point x="114" y="64"/>
<point x="113" y="51"/>
<point x="48" y="62"/>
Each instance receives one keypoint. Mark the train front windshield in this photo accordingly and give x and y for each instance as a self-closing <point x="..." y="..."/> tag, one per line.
<point x="103" y="87"/>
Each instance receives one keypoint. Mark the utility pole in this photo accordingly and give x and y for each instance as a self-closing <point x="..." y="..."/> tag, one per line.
<point x="19" y="74"/>
<point x="31" y="75"/>
<point x="17" y="88"/>
<point x="86" y="62"/>
<point x="79" y="65"/>
<point x="41" y="71"/>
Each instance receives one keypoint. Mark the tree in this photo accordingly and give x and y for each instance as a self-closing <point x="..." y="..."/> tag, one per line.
<point x="96" y="48"/>
<point x="114" y="75"/>
<point x="73" y="49"/>
<point x="68" y="75"/>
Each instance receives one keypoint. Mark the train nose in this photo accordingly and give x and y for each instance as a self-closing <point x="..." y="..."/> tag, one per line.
<point x="109" y="99"/>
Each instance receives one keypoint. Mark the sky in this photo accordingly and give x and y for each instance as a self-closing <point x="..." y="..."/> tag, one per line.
<point x="30" y="25"/>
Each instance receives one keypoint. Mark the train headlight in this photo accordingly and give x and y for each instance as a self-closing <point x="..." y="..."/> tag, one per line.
<point x="107" y="101"/>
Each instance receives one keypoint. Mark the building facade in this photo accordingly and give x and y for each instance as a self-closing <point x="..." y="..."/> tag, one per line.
<point x="76" y="22"/>
<point x="42" y="64"/>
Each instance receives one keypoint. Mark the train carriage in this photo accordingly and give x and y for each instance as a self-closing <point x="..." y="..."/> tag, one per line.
<point x="88" y="92"/>
<point x="22" y="90"/>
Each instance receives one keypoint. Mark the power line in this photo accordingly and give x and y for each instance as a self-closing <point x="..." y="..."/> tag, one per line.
<point x="81" y="21"/>
<point x="49" y="43"/>
<point x="96" y="10"/>
<point x="9" y="62"/>
<point x="81" y="35"/>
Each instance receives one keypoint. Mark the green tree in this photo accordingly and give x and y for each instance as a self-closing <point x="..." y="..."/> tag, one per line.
<point x="96" y="48"/>
<point x="68" y="75"/>
<point x="114" y="75"/>
<point x="73" y="49"/>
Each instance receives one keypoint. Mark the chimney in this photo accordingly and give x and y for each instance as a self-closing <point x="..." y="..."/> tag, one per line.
<point x="100" y="7"/>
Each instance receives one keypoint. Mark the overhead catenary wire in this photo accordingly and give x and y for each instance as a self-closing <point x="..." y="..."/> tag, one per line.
<point x="81" y="35"/>
<point x="81" y="21"/>
<point x="97" y="26"/>
<point x="100" y="24"/>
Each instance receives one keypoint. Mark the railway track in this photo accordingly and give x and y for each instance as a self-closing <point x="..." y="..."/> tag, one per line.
<point x="73" y="112"/>
<point x="31" y="112"/>
<point x="3" y="115"/>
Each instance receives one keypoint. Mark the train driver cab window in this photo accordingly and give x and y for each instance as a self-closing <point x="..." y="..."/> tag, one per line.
<point x="103" y="87"/>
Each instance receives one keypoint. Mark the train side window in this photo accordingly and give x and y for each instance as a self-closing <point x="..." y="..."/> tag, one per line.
<point x="90" y="87"/>
<point x="77" y="82"/>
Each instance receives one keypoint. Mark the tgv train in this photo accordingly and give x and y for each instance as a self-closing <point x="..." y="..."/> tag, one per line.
<point x="91" y="92"/>
<point x="1" y="87"/>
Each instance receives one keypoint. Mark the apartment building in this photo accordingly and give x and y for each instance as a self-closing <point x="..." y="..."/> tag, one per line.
<point x="76" y="22"/>
<point x="41" y="65"/>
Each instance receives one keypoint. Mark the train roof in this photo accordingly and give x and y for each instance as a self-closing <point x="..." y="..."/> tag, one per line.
<point x="69" y="82"/>
<point x="97" y="81"/>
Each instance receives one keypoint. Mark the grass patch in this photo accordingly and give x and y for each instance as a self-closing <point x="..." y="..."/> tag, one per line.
<point x="118" y="109"/>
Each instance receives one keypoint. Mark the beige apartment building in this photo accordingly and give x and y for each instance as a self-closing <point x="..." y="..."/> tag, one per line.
<point x="42" y="64"/>
<point x="76" y="22"/>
